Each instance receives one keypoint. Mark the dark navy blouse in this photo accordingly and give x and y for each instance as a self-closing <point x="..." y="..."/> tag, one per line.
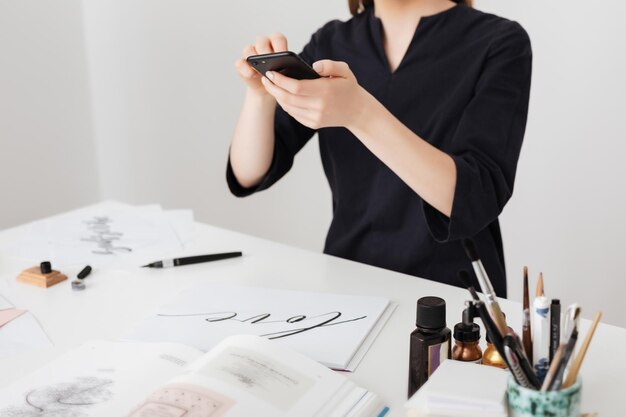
<point x="463" y="86"/>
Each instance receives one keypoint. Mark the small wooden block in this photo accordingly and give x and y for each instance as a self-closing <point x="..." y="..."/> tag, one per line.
<point x="34" y="276"/>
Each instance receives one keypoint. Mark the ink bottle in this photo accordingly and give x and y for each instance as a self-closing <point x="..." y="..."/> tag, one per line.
<point x="430" y="342"/>
<point x="491" y="356"/>
<point x="467" y="336"/>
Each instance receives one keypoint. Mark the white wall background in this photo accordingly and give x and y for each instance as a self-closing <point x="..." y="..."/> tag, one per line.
<point x="47" y="155"/>
<point x="164" y="98"/>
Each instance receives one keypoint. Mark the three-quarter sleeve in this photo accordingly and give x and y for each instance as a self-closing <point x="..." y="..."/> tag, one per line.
<point x="487" y="143"/>
<point x="289" y="137"/>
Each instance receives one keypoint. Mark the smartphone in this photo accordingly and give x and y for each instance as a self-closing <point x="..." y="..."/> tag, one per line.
<point x="286" y="63"/>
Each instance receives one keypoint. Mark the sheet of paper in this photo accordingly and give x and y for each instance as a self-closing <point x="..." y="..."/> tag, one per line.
<point x="330" y="328"/>
<point x="4" y="303"/>
<point x="98" y="379"/>
<point x="122" y="236"/>
<point x="22" y="334"/>
<point x="183" y="224"/>
<point x="9" y="315"/>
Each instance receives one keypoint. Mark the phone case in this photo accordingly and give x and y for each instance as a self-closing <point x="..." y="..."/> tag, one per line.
<point x="286" y="63"/>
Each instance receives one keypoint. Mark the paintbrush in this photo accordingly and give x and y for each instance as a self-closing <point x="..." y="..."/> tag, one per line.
<point x="572" y="317"/>
<point x="526" y="326"/>
<point x="573" y="372"/>
<point x="509" y="347"/>
<point x="490" y="326"/>
<point x="486" y="287"/>
<point x="563" y="362"/>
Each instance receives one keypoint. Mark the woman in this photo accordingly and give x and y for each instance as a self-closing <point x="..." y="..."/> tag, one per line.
<point x="421" y="117"/>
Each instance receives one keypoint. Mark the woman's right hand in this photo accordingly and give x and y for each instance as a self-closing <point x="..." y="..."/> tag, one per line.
<point x="275" y="42"/>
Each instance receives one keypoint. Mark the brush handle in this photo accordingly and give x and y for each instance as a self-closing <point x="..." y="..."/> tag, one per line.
<point x="516" y="345"/>
<point x="518" y="363"/>
<point x="490" y="295"/>
<point x="527" y="335"/>
<point x="498" y="317"/>
<point x="490" y="327"/>
<point x="573" y="372"/>
<point x="553" y="368"/>
<point x="567" y="354"/>
<point x="515" y="368"/>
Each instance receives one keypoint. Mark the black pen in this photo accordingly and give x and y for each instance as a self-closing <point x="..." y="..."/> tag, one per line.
<point x="555" y="327"/>
<point x="192" y="260"/>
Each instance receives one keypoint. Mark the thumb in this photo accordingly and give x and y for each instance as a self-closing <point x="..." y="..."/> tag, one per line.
<point x="328" y="68"/>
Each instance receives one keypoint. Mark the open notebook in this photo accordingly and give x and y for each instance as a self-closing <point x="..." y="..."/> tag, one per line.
<point x="240" y="377"/>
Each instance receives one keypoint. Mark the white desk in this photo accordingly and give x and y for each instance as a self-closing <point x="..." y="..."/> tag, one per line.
<point x="115" y="300"/>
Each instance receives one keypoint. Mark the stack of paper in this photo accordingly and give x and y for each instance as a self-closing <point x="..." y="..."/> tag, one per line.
<point x="110" y="234"/>
<point x="333" y="329"/>
<point x="461" y="389"/>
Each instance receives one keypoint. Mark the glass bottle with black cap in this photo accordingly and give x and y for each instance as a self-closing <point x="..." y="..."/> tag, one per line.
<point x="430" y="342"/>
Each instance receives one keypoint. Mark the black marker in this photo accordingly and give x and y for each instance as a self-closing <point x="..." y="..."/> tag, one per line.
<point x="79" y="284"/>
<point x="84" y="273"/>
<point x="192" y="260"/>
<point x="555" y="327"/>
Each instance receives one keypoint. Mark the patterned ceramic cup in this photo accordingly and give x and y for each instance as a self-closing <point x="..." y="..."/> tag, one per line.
<point x="524" y="402"/>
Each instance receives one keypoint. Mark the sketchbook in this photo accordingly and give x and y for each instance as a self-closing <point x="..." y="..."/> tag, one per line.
<point x="333" y="329"/>
<point x="240" y="377"/>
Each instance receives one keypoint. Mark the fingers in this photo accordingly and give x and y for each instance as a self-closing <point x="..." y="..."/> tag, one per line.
<point x="263" y="45"/>
<point x="278" y="42"/>
<point x="248" y="51"/>
<point x="328" y="68"/>
<point x="304" y="116"/>
<point x="299" y="87"/>
<point x="275" y="42"/>
<point x="284" y="97"/>
<point x="242" y="66"/>
<point x="244" y="69"/>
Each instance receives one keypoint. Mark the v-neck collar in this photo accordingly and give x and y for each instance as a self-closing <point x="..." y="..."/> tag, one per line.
<point x="376" y="29"/>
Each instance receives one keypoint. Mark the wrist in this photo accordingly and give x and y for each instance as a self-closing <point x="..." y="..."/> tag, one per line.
<point x="259" y="95"/>
<point x="364" y="113"/>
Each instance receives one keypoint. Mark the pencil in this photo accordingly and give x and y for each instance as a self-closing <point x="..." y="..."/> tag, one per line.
<point x="554" y="366"/>
<point x="526" y="329"/>
<point x="573" y="372"/>
<point x="540" y="291"/>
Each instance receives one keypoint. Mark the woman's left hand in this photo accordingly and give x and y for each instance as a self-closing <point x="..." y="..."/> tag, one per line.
<point x="333" y="101"/>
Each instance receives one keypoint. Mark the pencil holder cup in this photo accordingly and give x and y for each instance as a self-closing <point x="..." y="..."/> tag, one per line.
<point x="524" y="402"/>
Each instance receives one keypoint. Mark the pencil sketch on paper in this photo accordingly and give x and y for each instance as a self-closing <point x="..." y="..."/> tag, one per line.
<point x="260" y="375"/>
<point x="101" y="233"/>
<point x="67" y="399"/>
<point x="177" y="400"/>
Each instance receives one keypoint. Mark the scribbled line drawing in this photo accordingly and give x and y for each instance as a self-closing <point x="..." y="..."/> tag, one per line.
<point x="319" y="321"/>
<point x="68" y="399"/>
<point x="104" y="237"/>
<point x="245" y="379"/>
<point x="171" y="358"/>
